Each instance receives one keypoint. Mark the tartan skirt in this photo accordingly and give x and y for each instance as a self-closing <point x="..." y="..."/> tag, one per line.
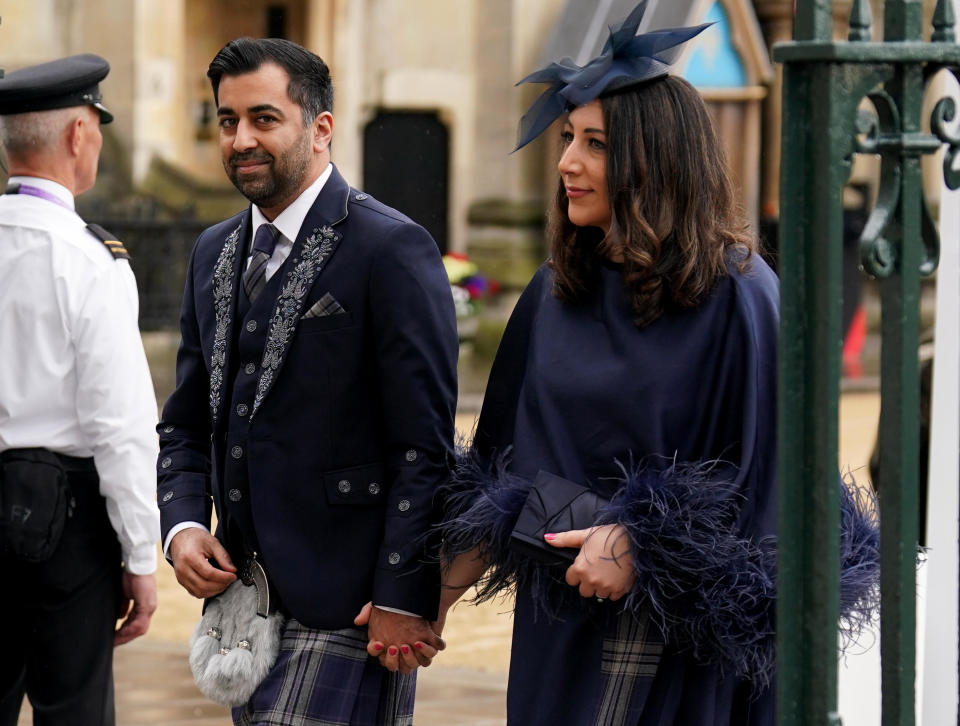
<point x="326" y="678"/>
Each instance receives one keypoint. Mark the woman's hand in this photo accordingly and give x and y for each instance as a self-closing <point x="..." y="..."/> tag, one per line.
<point x="604" y="567"/>
<point x="399" y="656"/>
<point x="457" y="577"/>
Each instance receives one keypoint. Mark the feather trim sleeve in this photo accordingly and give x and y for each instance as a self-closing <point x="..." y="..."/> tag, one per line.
<point x="709" y="589"/>
<point x="481" y="506"/>
<point x="713" y="591"/>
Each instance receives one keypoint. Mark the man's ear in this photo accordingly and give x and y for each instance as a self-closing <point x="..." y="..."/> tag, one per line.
<point x="75" y="134"/>
<point x="322" y="131"/>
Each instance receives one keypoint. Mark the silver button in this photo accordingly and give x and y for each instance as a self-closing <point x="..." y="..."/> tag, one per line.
<point x="249" y="368"/>
<point x="215" y="632"/>
<point x="251" y="325"/>
<point x="361" y="196"/>
<point x="235" y="495"/>
<point x="373" y="488"/>
<point x="411" y="455"/>
<point x="242" y="409"/>
<point x="168" y="496"/>
<point x="224" y="651"/>
<point x="236" y="452"/>
<point x="166" y="463"/>
<point x="344" y="486"/>
<point x="168" y="429"/>
<point x="404" y="505"/>
<point x="244" y="645"/>
<point x="394" y="558"/>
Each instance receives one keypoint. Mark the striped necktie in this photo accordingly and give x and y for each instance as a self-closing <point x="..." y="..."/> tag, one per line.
<point x="256" y="275"/>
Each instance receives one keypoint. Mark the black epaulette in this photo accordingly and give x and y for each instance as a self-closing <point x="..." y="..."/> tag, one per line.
<point x="115" y="246"/>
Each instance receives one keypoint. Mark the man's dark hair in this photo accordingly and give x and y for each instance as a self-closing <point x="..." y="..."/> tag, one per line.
<point x="310" y="85"/>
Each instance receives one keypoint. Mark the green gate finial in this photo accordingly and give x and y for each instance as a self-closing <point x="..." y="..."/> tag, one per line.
<point x="943" y="23"/>
<point x="860" y="20"/>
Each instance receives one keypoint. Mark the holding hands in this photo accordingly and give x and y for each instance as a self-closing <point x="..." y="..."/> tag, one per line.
<point x="400" y="642"/>
<point x="407" y="651"/>
<point x="603" y="569"/>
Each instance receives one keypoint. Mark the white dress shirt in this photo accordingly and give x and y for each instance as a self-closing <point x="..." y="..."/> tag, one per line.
<point x="288" y="222"/>
<point x="74" y="375"/>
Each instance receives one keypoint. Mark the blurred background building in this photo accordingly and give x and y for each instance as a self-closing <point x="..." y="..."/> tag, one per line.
<point x="425" y="116"/>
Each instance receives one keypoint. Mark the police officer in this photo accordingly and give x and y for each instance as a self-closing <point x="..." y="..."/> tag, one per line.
<point x="78" y="517"/>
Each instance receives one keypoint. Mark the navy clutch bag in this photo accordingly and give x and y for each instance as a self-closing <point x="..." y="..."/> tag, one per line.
<point x="554" y="504"/>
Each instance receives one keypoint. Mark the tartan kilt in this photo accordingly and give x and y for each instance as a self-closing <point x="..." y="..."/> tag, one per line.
<point x="326" y="678"/>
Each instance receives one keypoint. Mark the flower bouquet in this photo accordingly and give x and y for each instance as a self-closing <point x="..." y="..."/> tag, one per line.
<point x="471" y="290"/>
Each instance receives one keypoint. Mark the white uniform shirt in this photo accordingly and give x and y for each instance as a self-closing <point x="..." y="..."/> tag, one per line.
<point x="74" y="375"/>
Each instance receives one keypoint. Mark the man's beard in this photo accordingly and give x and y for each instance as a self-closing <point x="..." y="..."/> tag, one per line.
<point x="282" y="178"/>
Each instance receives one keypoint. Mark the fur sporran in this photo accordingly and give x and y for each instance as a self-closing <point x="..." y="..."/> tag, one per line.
<point x="233" y="648"/>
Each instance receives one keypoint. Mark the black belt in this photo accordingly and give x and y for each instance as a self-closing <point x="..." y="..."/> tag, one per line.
<point x="77" y="464"/>
<point x="70" y="464"/>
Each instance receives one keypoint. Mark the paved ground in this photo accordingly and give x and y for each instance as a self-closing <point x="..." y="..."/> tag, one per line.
<point x="465" y="687"/>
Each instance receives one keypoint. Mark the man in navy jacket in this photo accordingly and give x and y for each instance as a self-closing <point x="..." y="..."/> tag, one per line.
<point x="316" y="388"/>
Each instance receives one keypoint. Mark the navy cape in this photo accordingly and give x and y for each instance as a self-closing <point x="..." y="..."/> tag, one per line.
<point x="675" y="424"/>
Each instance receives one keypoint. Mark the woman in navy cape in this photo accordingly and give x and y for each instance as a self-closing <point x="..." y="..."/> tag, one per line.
<point x="640" y="362"/>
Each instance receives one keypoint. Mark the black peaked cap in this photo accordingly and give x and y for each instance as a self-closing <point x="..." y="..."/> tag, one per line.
<point x="62" y="83"/>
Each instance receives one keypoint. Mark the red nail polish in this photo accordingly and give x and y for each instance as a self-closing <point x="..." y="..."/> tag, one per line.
<point x="392" y="650"/>
<point x="378" y="646"/>
<point x="418" y="646"/>
<point x="405" y="649"/>
<point x="549" y="536"/>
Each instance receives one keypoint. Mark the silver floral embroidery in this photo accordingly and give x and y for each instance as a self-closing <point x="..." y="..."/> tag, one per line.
<point x="316" y="249"/>
<point x="222" y="297"/>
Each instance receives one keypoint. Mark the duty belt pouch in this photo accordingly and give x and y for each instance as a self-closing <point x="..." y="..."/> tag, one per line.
<point x="35" y="502"/>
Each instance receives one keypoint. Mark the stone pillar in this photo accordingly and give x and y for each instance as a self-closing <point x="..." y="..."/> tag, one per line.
<point x="160" y="126"/>
<point x="337" y="33"/>
<point x="776" y="22"/>
<point x="505" y="233"/>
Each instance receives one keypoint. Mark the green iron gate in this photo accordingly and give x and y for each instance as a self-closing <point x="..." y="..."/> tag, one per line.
<point x="824" y="84"/>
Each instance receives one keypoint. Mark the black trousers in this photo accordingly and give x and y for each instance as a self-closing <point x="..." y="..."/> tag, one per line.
<point x="58" y="618"/>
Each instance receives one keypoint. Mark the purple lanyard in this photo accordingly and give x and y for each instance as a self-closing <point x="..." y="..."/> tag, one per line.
<point x="43" y="194"/>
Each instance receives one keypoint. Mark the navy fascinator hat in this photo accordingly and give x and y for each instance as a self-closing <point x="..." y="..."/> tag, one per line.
<point x="626" y="59"/>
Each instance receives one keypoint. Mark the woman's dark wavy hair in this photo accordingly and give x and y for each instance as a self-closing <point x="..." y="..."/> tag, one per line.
<point x="310" y="86"/>
<point x="673" y="210"/>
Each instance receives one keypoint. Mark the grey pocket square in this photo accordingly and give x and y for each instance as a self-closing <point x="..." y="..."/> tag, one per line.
<point x="327" y="305"/>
